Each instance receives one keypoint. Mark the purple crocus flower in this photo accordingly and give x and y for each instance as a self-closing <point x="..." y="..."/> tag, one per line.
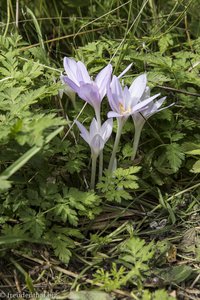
<point x="97" y="136"/>
<point x="124" y="102"/>
<point x="80" y="82"/>
<point x="150" y="109"/>
<point x="140" y="117"/>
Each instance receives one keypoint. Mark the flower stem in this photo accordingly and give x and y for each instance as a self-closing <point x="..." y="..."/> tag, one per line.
<point x="100" y="164"/>
<point x="116" y="144"/>
<point x="93" y="173"/>
<point x="137" y="135"/>
<point x="98" y="117"/>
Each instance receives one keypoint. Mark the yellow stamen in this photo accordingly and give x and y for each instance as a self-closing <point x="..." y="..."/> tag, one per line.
<point x="122" y="109"/>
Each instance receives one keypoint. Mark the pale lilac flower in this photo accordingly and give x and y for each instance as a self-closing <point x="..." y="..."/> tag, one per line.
<point x="125" y="71"/>
<point x="150" y="109"/>
<point x="140" y="117"/>
<point x="125" y="102"/>
<point x="92" y="91"/>
<point x="97" y="136"/>
<point x="68" y="91"/>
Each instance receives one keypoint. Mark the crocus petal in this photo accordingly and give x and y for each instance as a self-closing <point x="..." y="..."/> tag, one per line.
<point x="115" y="94"/>
<point x="143" y="103"/>
<point x="127" y="100"/>
<point x="138" y="86"/>
<point x="82" y="73"/>
<point x="70" y="67"/>
<point x="113" y="114"/>
<point x="106" y="129"/>
<point x="67" y="90"/>
<point x="97" y="144"/>
<point x="94" y="128"/>
<point x="159" y="103"/>
<point x="113" y="104"/>
<point x="138" y="117"/>
<point x="148" y="112"/>
<point x="84" y="133"/>
<point x="116" y="87"/>
<point x="125" y="71"/>
<point x="146" y="93"/>
<point x="167" y="106"/>
<point x="89" y="93"/>
<point x="103" y="79"/>
<point x="71" y="83"/>
<point x="152" y="108"/>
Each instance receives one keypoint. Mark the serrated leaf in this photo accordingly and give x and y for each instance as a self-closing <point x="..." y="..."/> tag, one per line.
<point x="66" y="213"/>
<point x="193" y="152"/>
<point x="61" y="250"/>
<point x="176" y="274"/>
<point x="175" y="156"/>
<point x="15" y="234"/>
<point x="114" y="185"/>
<point x="127" y="151"/>
<point x="196" y="167"/>
<point x="135" y="251"/>
<point x="157" y="77"/>
<point x="188" y="146"/>
<point x="164" y="42"/>
<point x="161" y="294"/>
<point x="35" y="224"/>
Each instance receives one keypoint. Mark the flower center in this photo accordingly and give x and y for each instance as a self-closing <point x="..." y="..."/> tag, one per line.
<point x="123" y="110"/>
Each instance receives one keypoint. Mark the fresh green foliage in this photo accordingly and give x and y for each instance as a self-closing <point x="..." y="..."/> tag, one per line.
<point x="174" y="156"/>
<point x="4" y="183"/>
<point x="136" y="256"/>
<point x="112" y="279"/>
<point x="45" y="167"/>
<point x="26" y="130"/>
<point x="61" y="241"/>
<point x="23" y="123"/>
<point x="73" y="200"/>
<point x="165" y="42"/>
<point x="176" y="274"/>
<point x="40" y="226"/>
<point x="196" y="165"/>
<point x="157" y="295"/>
<point x="114" y="186"/>
<point x="134" y="265"/>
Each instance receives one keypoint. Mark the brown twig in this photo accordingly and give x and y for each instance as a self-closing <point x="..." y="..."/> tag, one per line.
<point x="17" y="282"/>
<point x="69" y="273"/>
<point x="178" y="91"/>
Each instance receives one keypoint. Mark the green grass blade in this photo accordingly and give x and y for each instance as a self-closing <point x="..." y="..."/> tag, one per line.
<point x="27" y="156"/>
